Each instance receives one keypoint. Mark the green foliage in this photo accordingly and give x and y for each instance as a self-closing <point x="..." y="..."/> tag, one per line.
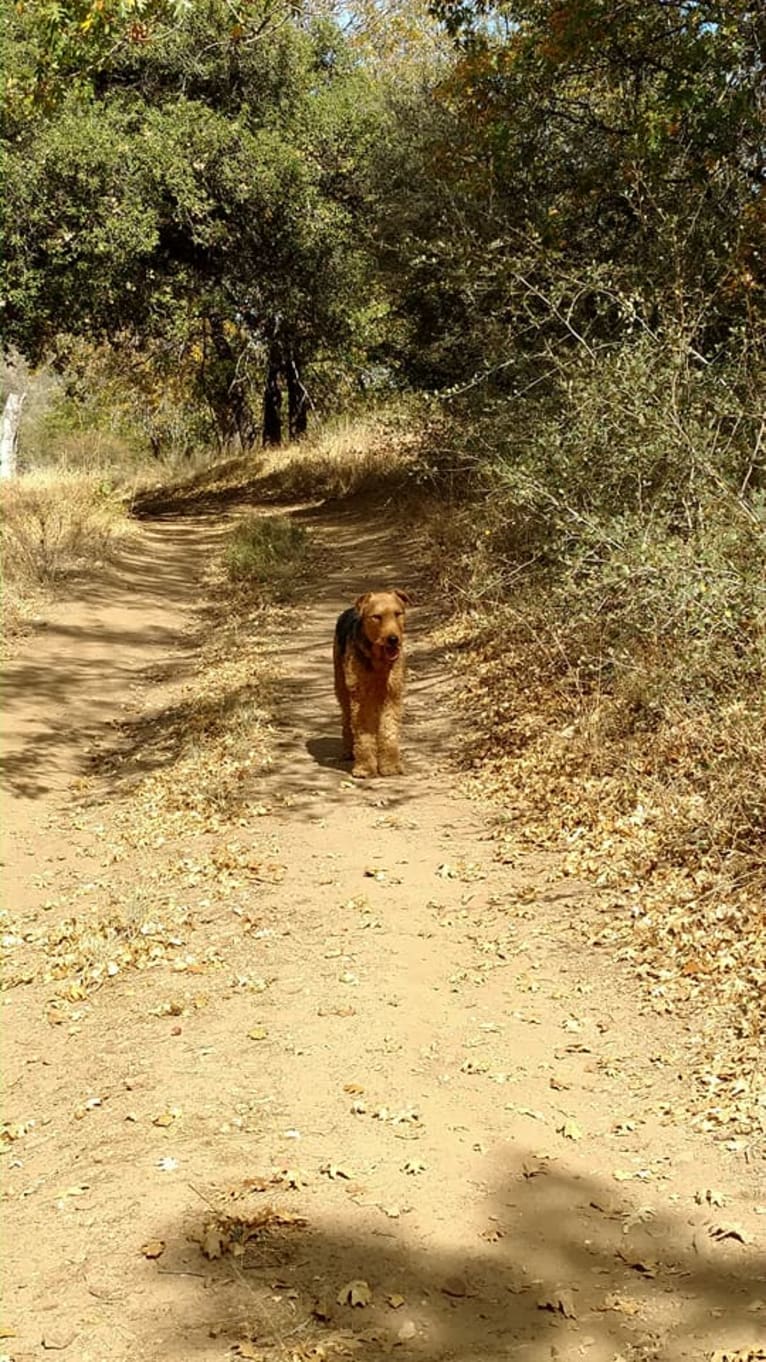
<point x="267" y="552"/>
<point x="578" y="173"/>
<point x="200" y="193"/>
<point x="624" y="503"/>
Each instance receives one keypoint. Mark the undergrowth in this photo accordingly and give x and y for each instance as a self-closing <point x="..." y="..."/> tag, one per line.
<point x="54" y="523"/>
<point x="267" y="553"/>
<point x="606" y="561"/>
<point x="375" y="455"/>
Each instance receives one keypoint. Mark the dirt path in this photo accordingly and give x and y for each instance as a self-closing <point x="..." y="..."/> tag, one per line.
<point x="410" y="1062"/>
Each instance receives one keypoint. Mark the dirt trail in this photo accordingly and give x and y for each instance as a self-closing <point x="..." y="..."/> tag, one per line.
<point x="475" y="1104"/>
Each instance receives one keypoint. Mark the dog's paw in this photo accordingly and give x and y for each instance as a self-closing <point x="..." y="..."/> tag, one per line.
<point x="363" y="772"/>
<point x="391" y="768"/>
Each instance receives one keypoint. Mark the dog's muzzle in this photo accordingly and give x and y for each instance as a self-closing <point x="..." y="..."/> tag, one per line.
<point x="392" y="645"/>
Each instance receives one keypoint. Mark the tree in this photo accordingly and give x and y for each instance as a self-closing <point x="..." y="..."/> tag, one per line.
<point x="580" y="171"/>
<point x="205" y="179"/>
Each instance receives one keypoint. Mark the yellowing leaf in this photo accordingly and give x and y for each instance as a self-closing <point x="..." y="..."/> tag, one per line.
<point x="356" y="1293"/>
<point x="559" y="1303"/>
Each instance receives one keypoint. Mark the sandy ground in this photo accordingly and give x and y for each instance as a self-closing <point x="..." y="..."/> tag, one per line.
<point x="454" y="1117"/>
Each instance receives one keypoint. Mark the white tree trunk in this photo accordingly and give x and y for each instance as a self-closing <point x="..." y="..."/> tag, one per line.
<point x="9" y="441"/>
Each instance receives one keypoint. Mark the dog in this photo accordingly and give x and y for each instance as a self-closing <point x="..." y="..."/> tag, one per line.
<point x="368" y="654"/>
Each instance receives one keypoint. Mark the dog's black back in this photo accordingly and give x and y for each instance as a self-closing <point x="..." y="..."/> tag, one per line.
<point x="347" y="628"/>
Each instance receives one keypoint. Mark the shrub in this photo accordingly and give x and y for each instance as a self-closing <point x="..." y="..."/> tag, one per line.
<point x="54" y="523"/>
<point x="609" y="558"/>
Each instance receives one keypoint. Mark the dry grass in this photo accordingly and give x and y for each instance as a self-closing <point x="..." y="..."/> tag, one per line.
<point x="365" y="455"/>
<point x="373" y="455"/>
<point x="54" y="523"/>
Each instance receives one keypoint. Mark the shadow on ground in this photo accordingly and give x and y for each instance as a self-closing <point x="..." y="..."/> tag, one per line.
<point x="555" y="1273"/>
<point x="306" y="762"/>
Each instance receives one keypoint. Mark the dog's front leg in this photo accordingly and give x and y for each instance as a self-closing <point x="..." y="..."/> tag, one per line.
<point x="389" y="759"/>
<point x="364" y="730"/>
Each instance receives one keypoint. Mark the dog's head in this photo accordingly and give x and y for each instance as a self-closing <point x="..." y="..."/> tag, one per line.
<point x="382" y="615"/>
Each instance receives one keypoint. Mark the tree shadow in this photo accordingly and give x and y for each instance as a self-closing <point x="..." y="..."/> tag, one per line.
<point x="554" y="1265"/>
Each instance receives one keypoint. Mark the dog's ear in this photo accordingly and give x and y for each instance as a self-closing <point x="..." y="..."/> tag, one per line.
<point x="402" y="596"/>
<point x="361" y="601"/>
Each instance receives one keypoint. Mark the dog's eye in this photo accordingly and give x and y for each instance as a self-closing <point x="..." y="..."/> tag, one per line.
<point x="378" y="618"/>
<point x="398" y="614"/>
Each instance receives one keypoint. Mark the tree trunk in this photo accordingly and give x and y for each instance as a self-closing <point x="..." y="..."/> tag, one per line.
<point x="297" y="397"/>
<point x="272" y="399"/>
<point x="9" y="440"/>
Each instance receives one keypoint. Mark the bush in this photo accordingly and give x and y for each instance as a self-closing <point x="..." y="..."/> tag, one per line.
<point x="267" y="552"/>
<point x="53" y="524"/>
<point x="610" y="561"/>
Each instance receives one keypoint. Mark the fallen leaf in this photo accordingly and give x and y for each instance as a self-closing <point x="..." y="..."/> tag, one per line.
<point x="534" y="1168"/>
<point x="623" y="1305"/>
<point x="395" y="1300"/>
<point x="293" y="1178"/>
<point x="457" y="1286"/>
<point x="413" y="1166"/>
<point x="639" y="1216"/>
<point x="756" y="1354"/>
<point x="722" y="1232"/>
<point x="559" y="1303"/>
<point x="164" y="1120"/>
<point x="356" y="1293"/>
<point x="334" y="1171"/>
<point x="257" y="1033"/>
<point x="639" y="1265"/>
<point x="570" y="1130"/>
<point x="407" y="1331"/>
<point x="214" y="1242"/>
<point x="709" y="1197"/>
<point x="153" y="1248"/>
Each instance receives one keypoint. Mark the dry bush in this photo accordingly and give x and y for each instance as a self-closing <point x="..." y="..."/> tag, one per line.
<point x="611" y="624"/>
<point x="54" y="523"/>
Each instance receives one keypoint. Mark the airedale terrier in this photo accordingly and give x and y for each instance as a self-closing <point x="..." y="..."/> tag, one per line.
<point x="368" y="652"/>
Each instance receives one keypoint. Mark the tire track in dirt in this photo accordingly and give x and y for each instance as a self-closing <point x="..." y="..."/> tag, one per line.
<point x="414" y="1048"/>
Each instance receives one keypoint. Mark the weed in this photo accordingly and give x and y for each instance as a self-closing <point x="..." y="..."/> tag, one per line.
<point x="267" y="552"/>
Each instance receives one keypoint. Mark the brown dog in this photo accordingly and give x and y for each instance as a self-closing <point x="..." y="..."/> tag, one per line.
<point x="368" y="652"/>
